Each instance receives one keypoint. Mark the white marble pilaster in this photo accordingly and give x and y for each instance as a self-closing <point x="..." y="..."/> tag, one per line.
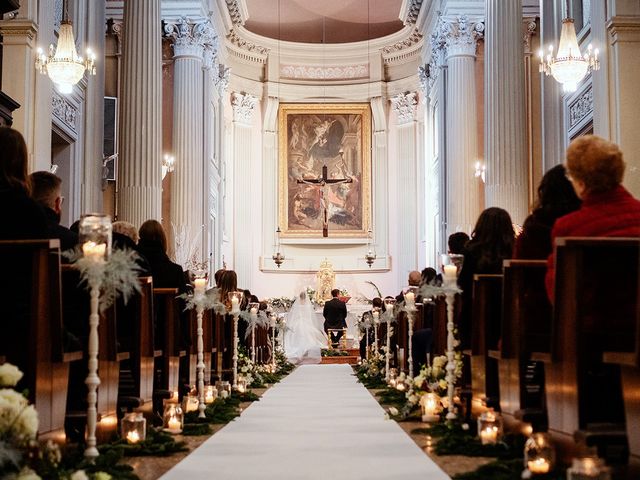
<point x="464" y="196"/>
<point x="243" y="110"/>
<point x="189" y="107"/>
<point x="505" y="140"/>
<point x="139" y="162"/>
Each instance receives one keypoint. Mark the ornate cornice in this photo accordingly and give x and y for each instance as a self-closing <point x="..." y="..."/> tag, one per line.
<point x="323" y="72"/>
<point x="424" y="74"/>
<point x="64" y="111"/>
<point x="404" y="104"/>
<point x="529" y="29"/>
<point x="412" y="12"/>
<point x="581" y="108"/>
<point x="411" y="40"/>
<point x="19" y="28"/>
<point x="221" y="79"/>
<point x="243" y="105"/>
<point x="240" y="42"/>
<point x="235" y="12"/>
<point x="191" y="38"/>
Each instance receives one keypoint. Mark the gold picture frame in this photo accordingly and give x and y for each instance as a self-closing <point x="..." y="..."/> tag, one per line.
<point x="337" y="136"/>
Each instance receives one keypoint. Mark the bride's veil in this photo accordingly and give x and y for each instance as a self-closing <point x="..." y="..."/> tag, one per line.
<point x="304" y="340"/>
<point x="301" y="310"/>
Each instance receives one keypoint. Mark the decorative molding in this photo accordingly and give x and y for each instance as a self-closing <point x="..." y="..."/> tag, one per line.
<point x="462" y="35"/>
<point x="235" y="12"/>
<point x="411" y="40"/>
<point x="529" y="27"/>
<point x="16" y="27"/>
<point x="115" y="27"/>
<point x="191" y="38"/>
<point x="581" y="108"/>
<point x="404" y="105"/>
<point x="321" y="72"/>
<point x="64" y="111"/>
<point x="238" y="41"/>
<point x="424" y="74"/>
<point x="243" y="105"/>
<point x="412" y="12"/>
<point x="221" y="80"/>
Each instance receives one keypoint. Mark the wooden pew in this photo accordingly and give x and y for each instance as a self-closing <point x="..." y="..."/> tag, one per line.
<point x="439" y="326"/>
<point x="401" y="328"/>
<point x="525" y="328"/>
<point x="207" y="343"/>
<point x="219" y="344"/>
<point x="168" y="338"/>
<point x="485" y="327"/>
<point x="33" y="335"/>
<point x="595" y="307"/>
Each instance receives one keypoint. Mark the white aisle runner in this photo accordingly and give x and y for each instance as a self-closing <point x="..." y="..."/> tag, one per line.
<point x="318" y="423"/>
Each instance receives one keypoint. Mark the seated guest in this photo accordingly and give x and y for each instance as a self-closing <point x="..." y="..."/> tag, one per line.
<point x="125" y="237"/>
<point x="376" y="303"/>
<point x="153" y="246"/>
<point x="127" y="230"/>
<point x="217" y="276"/>
<point x="428" y="276"/>
<point x="414" y="281"/>
<point x="595" y="169"/>
<point x="46" y="189"/>
<point x="456" y="242"/>
<point x="491" y="242"/>
<point x="20" y="216"/>
<point x="556" y="198"/>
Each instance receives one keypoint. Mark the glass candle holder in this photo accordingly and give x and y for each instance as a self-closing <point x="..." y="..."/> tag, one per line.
<point x="254" y="307"/>
<point x="242" y="384"/>
<point x="235" y="298"/>
<point x="451" y="266"/>
<point x="224" y="388"/>
<point x="190" y="402"/>
<point x="94" y="234"/>
<point x="200" y="278"/>
<point x="431" y="406"/>
<point x="133" y="428"/>
<point x="588" y="468"/>
<point x="173" y="418"/>
<point x="210" y="394"/>
<point x="539" y="455"/>
<point x="410" y="295"/>
<point x="272" y="320"/>
<point x="389" y="303"/>
<point x="490" y="427"/>
<point x="393" y="377"/>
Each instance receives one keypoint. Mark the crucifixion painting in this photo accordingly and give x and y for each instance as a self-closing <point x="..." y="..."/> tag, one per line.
<point x="324" y="170"/>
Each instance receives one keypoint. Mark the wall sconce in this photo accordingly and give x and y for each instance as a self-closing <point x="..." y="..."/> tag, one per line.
<point x="278" y="257"/>
<point x="168" y="164"/>
<point x="481" y="170"/>
<point x="370" y="256"/>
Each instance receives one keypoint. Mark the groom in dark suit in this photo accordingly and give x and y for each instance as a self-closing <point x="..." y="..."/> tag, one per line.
<point x="335" y="316"/>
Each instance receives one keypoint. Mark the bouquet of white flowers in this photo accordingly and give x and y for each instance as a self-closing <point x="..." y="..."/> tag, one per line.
<point x="432" y="378"/>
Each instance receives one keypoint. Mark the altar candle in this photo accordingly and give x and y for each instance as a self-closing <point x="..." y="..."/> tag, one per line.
<point x="489" y="435"/>
<point x="200" y="284"/>
<point x="410" y="298"/>
<point x="539" y="465"/>
<point x="133" y="437"/>
<point x="94" y="251"/>
<point x="174" y="425"/>
<point x="450" y="273"/>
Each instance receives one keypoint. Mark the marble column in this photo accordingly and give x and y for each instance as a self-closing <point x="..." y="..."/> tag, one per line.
<point x="406" y="164"/>
<point x="505" y="131"/>
<point x="139" y="177"/>
<point x="243" y="109"/>
<point x="187" y="180"/>
<point x="464" y="200"/>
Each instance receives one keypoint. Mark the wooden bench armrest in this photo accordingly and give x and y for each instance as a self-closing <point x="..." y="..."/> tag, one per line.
<point x="544" y="357"/>
<point x="628" y="359"/>
<point x="68" y="357"/>
<point x="121" y="356"/>
<point x="467" y="352"/>
<point x="157" y="353"/>
<point x="497" y="354"/>
<point x="182" y="353"/>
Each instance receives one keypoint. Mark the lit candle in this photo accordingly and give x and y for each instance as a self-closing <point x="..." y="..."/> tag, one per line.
<point x="254" y="311"/>
<point x="133" y="436"/>
<point x="224" y="394"/>
<point x="527" y="429"/>
<point x="400" y="386"/>
<point x="430" y="404"/>
<point x="539" y="465"/>
<point x="235" y="305"/>
<point x="450" y="273"/>
<point x="489" y="435"/>
<point x="410" y="298"/>
<point x="210" y="394"/>
<point x="94" y="251"/>
<point x="241" y="388"/>
<point x="174" y="425"/>
<point x="200" y="284"/>
<point x="376" y="316"/>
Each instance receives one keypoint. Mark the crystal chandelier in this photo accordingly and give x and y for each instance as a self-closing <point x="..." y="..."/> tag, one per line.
<point x="569" y="66"/>
<point x="63" y="64"/>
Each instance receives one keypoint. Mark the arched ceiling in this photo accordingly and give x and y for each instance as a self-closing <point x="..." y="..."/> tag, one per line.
<point x="323" y="21"/>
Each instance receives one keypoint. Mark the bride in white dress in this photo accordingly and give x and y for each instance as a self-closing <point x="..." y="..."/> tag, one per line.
<point x="303" y="339"/>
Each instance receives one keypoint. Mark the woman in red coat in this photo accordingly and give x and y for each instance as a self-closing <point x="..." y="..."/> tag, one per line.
<point x="595" y="169"/>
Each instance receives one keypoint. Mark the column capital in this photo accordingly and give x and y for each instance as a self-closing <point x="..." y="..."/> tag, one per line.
<point x="404" y="104"/>
<point x="221" y="74"/>
<point x="424" y="78"/>
<point x="243" y="105"/>
<point x="529" y="26"/>
<point x="190" y="38"/>
<point x="456" y="37"/>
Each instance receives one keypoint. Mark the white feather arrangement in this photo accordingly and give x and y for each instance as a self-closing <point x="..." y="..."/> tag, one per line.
<point x="260" y="320"/>
<point x="209" y="301"/>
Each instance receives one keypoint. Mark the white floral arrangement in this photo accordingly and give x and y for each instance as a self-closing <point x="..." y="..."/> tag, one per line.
<point x="344" y="292"/>
<point x="280" y="304"/>
<point x="432" y="377"/>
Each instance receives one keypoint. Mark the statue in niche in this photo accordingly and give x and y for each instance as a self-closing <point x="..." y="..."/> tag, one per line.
<point x="326" y="281"/>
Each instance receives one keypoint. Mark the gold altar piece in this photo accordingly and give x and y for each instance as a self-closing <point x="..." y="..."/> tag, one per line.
<point x="326" y="281"/>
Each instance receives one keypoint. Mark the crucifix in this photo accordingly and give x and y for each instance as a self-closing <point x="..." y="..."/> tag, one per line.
<point x="323" y="182"/>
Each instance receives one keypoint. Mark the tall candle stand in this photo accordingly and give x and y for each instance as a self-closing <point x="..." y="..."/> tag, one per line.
<point x="451" y="267"/>
<point x="200" y="284"/>
<point x="388" y="318"/>
<point x="95" y="237"/>
<point x="253" y="324"/>
<point x="272" y="324"/>
<point x="376" y="322"/>
<point x="410" y="307"/>
<point x="235" y="298"/>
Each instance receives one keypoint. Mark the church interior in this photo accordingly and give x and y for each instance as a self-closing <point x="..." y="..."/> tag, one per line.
<point x="299" y="239"/>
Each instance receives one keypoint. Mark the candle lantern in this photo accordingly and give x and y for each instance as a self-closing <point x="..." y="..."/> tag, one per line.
<point x="254" y="307"/>
<point x="588" y="468"/>
<point x="539" y="455"/>
<point x="490" y="427"/>
<point x="242" y="385"/>
<point x="173" y="418"/>
<point x="190" y="402"/>
<point x="94" y="233"/>
<point x="393" y="377"/>
<point x="224" y="388"/>
<point x="431" y="406"/>
<point x="210" y="394"/>
<point x="235" y="298"/>
<point x="133" y="428"/>
<point x="200" y="280"/>
<point x="451" y="266"/>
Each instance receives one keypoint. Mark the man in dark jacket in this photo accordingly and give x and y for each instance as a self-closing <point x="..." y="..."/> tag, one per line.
<point x="335" y="316"/>
<point x="47" y="192"/>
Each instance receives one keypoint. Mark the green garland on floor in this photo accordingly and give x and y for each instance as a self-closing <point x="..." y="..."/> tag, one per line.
<point x="506" y="470"/>
<point x="73" y="459"/>
<point x="157" y="443"/>
<point x="330" y="352"/>
<point x="392" y="396"/>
